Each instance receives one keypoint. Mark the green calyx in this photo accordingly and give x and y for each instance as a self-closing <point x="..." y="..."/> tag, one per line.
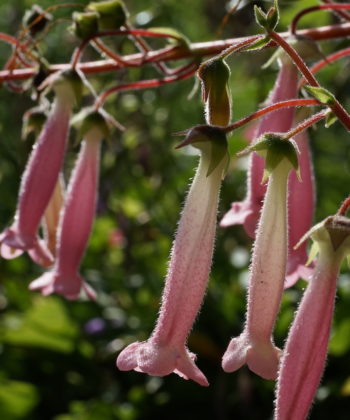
<point x="211" y="141"/>
<point x="275" y="149"/>
<point x="333" y="234"/>
<point x="85" y="25"/>
<point x="68" y="83"/>
<point x="268" y="20"/>
<point x="323" y="95"/>
<point x="215" y="75"/>
<point x="35" y="20"/>
<point x="175" y="37"/>
<point x="33" y="122"/>
<point x="112" y="14"/>
<point x="89" y="120"/>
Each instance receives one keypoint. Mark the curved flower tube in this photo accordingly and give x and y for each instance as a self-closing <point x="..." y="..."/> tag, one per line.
<point x="247" y="212"/>
<point x="38" y="183"/>
<point x="267" y="273"/>
<point x="191" y="256"/>
<point x="75" y="225"/>
<point x="301" y="204"/>
<point x="305" y="351"/>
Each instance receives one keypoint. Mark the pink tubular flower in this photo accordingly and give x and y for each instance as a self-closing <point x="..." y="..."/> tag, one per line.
<point x="165" y="351"/>
<point x="255" y="345"/>
<point x="247" y="212"/>
<point x="38" y="182"/>
<point x="301" y="206"/>
<point x="305" y="351"/>
<point x="77" y="218"/>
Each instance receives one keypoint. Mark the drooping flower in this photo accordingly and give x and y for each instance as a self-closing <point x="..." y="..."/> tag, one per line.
<point x="305" y="351"/>
<point x="301" y="194"/>
<point x="77" y="216"/>
<point x="40" y="176"/>
<point x="267" y="272"/>
<point x="247" y="212"/>
<point x="301" y="204"/>
<point x="165" y="351"/>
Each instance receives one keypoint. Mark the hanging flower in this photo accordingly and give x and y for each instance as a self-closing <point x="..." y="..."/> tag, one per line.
<point x="247" y="212"/>
<point x="267" y="272"/>
<point x="40" y="176"/>
<point x="301" y="206"/>
<point x="191" y="256"/>
<point x="77" y="216"/>
<point x="305" y="351"/>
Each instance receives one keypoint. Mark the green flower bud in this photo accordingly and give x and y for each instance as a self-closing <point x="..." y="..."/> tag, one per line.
<point x="112" y="14"/>
<point x="85" y="24"/>
<point x="215" y="74"/>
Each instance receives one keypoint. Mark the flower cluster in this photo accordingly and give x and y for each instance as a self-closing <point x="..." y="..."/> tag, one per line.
<point x="66" y="217"/>
<point x="54" y="216"/>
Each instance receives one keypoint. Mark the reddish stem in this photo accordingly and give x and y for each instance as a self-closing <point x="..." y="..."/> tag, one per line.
<point x="144" y="47"/>
<point x="327" y="60"/>
<point x="332" y="6"/>
<point x="344" y="207"/>
<point x="197" y="49"/>
<point x="139" y="32"/>
<point x="271" y="108"/>
<point x="336" y="107"/>
<point x="143" y="84"/>
<point x="306" y="124"/>
<point x="341" y="13"/>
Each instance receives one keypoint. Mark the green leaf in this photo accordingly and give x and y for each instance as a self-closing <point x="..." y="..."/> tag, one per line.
<point x="17" y="399"/>
<point x="330" y="119"/>
<point x="175" y="37"/>
<point x="46" y="325"/>
<point x="321" y="94"/>
<point x="259" y="44"/>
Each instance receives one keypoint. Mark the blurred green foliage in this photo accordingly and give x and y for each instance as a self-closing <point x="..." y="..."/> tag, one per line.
<point x="57" y="356"/>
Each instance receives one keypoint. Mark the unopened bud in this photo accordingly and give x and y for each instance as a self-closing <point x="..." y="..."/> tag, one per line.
<point x="85" y="24"/>
<point x="215" y="75"/>
<point x="112" y="14"/>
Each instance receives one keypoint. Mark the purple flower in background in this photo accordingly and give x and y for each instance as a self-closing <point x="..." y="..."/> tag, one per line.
<point x="191" y="256"/>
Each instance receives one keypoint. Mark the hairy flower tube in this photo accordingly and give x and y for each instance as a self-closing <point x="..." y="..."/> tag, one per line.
<point x="255" y="345"/>
<point x="77" y="216"/>
<point x="40" y="176"/>
<point x="301" y="204"/>
<point x="247" y="212"/>
<point x="190" y="261"/>
<point x="305" y="352"/>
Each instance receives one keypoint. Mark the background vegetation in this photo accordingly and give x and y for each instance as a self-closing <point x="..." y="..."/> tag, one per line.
<point x="58" y="357"/>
